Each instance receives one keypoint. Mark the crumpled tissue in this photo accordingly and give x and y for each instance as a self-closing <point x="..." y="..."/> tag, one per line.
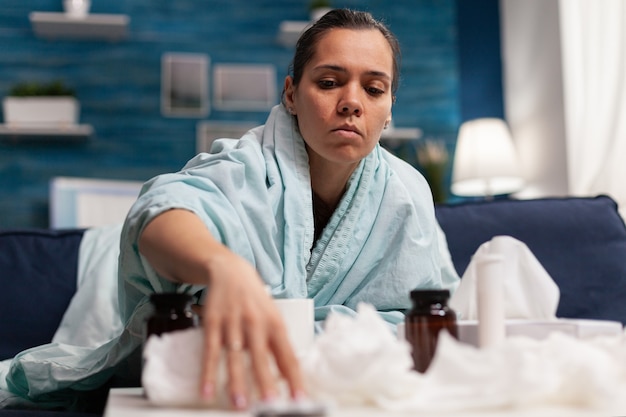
<point x="528" y="290"/>
<point x="351" y="363"/>
<point x="559" y="371"/>
<point x="171" y="370"/>
<point x="358" y="362"/>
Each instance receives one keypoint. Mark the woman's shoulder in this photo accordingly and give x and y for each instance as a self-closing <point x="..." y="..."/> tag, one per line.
<point x="405" y="176"/>
<point x="230" y="149"/>
<point x="399" y="166"/>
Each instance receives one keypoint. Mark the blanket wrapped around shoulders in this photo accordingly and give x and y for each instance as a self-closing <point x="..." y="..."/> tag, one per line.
<point x="254" y="195"/>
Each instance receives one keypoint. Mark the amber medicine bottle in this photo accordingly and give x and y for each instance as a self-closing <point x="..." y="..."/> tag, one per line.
<point x="429" y="316"/>
<point x="172" y="311"/>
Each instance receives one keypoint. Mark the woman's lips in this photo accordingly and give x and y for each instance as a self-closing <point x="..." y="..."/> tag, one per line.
<point x="347" y="131"/>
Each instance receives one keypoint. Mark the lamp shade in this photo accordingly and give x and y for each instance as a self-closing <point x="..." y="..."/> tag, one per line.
<point x="485" y="161"/>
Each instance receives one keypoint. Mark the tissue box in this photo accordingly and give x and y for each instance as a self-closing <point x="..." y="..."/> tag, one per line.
<point x="540" y="329"/>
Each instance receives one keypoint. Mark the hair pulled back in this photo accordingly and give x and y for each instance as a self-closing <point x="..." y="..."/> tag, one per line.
<point x="341" y="19"/>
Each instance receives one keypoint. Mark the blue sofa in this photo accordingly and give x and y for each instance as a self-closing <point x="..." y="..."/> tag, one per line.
<point x="38" y="273"/>
<point x="581" y="242"/>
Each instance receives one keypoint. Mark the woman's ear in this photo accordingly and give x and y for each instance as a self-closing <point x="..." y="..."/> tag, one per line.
<point x="289" y="90"/>
<point x="388" y="121"/>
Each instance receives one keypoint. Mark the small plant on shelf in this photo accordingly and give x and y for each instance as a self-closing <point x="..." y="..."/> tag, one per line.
<point x="34" y="89"/>
<point x="46" y="104"/>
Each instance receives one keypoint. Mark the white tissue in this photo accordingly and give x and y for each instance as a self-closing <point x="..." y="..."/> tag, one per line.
<point x="171" y="371"/>
<point x="528" y="290"/>
<point x="358" y="361"/>
<point x="523" y="373"/>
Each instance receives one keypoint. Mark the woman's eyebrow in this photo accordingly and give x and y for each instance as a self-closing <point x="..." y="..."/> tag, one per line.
<point x="339" y="68"/>
<point x="331" y="67"/>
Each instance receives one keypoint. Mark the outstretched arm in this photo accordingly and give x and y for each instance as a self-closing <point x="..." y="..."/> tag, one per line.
<point x="238" y="314"/>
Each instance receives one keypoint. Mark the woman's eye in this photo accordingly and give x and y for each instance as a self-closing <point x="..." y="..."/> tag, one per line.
<point x="327" y="83"/>
<point x="375" y="91"/>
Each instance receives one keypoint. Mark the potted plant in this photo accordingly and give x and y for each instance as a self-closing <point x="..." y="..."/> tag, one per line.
<point x="35" y="104"/>
<point x="318" y="8"/>
<point x="432" y="158"/>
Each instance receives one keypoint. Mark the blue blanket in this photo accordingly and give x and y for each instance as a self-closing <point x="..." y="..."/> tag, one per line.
<point x="254" y="195"/>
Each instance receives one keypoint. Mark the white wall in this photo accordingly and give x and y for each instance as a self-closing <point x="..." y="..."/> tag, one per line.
<point x="533" y="90"/>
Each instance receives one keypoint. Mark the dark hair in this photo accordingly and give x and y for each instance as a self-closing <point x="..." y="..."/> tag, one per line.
<point x="342" y="19"/>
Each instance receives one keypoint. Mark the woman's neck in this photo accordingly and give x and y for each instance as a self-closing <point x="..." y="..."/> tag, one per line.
<point x="329" y="181"/>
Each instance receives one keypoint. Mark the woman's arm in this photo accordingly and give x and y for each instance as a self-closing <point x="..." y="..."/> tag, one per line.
<point x="238" y="313"/>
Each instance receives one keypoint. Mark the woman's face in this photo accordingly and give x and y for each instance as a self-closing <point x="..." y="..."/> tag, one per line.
<point x="344" y="97"/>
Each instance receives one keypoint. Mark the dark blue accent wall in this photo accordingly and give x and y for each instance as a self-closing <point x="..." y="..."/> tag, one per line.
<point x="118" y="84"/>
<point x="480" y="64"/>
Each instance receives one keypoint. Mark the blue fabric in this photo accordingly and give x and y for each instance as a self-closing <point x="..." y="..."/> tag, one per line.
<point x="254" y="195"/>
<point x="38" y="279"/>
<point x="581" y="242"/>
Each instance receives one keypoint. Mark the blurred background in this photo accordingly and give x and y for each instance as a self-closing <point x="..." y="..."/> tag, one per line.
<point x="128" y="74"/>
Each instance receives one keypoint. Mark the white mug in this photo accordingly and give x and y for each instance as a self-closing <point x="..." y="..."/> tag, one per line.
<point x="299" y="317"/>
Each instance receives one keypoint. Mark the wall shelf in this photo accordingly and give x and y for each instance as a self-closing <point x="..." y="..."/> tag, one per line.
<point x="396" y="136"/>
<point x="73" y="133"/>
<point x="52" y="25"/>
<point x="401" y="133"/>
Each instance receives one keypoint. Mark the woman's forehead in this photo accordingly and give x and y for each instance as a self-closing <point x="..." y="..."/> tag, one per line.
<point x="368" y="46"/>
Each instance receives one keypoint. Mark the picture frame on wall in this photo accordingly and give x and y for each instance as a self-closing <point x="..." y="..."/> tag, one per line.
<point x="208" y="131"/>
<point x="244" y="87"/>
<point x="185" y="84"/>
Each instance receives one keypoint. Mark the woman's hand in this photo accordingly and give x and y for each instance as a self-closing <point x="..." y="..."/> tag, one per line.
<point x="238" y="314"/>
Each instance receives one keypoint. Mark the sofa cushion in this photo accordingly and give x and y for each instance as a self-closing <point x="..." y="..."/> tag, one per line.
<point x="42" y="413"/>
<point x="38" y="279"/>
<point x="581" y="242"/>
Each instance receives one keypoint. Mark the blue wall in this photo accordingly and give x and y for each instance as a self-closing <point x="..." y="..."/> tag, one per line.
<point x="480" y="68"/>
<point x="118" y="84"/>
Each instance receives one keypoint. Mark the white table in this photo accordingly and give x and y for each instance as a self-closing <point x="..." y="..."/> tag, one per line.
<point x="130" y="402"/>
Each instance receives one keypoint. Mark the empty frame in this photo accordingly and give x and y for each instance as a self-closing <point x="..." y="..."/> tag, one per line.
<point x="244" y="87"/>
<point x="184" y="85"/>
<point x="208" y="131"/>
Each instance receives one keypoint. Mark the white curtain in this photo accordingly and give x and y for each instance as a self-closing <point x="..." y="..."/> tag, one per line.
<point x="593" y="37"/>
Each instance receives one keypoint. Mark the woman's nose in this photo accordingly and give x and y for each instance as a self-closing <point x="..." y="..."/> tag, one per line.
<point x="350" y="109"/>
<point x="350" y="104"/>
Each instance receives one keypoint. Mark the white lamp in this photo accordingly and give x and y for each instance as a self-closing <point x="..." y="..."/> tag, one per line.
<point x="485" y="162"/>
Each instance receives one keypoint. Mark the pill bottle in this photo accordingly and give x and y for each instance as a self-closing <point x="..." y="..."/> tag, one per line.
<point x="430" y="315"/>
<point x="172" y="311"/>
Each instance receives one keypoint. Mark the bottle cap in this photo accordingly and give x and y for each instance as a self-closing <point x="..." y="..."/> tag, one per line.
<point x="170" y="300"/>
<point x="430" y="295"/>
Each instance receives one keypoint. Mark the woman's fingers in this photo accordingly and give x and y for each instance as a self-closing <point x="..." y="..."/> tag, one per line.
<point x="262" y="337"/>
<point x="211" y="356"/>
<point x="240" y="319"/>
<point x="235" y="361"/>
<point x="262" y="368"/>
<point x="287" y="362"/>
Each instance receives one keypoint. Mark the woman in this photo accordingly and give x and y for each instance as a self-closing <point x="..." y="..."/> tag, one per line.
<point x="308" y="204"/>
